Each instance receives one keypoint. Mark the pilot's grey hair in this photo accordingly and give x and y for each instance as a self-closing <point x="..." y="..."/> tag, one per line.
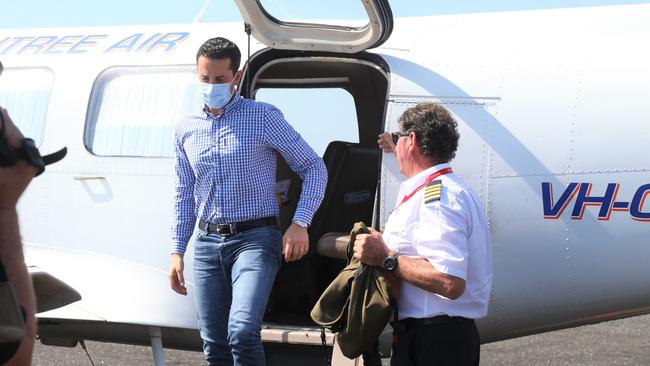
<point x="435" y="129"/>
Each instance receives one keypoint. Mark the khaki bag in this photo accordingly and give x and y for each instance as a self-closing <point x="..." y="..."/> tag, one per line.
<point x="357" y="305"/>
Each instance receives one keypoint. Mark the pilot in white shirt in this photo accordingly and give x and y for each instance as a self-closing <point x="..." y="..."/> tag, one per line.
<point x="446" y="228"/>
<point x="436" y="242"/>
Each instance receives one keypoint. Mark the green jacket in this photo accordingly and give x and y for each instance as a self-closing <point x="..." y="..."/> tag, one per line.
<point x="357" y="305"/>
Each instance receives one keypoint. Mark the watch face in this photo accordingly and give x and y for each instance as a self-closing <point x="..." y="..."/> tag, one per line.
<point x="389" y="263"/>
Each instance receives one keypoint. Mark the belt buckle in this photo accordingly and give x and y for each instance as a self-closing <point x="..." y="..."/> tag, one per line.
<point x="225" y="229"/>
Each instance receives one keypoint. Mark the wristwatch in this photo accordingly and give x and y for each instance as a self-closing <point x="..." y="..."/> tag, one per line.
<point x="390" y="263"/>
<point x="302" y="224"/>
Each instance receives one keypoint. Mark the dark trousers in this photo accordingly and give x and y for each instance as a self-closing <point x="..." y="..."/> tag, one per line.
<point x="437" y="341"/>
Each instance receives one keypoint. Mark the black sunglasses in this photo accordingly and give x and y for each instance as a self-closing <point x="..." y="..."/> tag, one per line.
<point x="396" y="135"/>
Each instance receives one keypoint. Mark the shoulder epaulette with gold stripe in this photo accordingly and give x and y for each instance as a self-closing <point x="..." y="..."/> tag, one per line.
<point x="432" y="191"/>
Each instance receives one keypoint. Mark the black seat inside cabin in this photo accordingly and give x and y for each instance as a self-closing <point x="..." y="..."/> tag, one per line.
<point x="353" y="171"/>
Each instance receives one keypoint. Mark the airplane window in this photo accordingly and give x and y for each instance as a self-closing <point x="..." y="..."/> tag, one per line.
<point x="320" y="115"/>
<point x="133" y="110"/>
<point x="25" y="93"/>
<point x="329" y="12"/>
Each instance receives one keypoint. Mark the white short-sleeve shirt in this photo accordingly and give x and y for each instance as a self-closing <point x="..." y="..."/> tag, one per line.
<point x="451" y="232"/>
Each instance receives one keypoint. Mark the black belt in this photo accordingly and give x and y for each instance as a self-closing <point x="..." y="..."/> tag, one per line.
<point x="440" y="319"/>
<point x="237" y="227"/>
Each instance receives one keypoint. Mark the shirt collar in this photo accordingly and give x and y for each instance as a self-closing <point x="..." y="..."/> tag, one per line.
<point x="232" y="105"/>
<point x="413" y="182"/>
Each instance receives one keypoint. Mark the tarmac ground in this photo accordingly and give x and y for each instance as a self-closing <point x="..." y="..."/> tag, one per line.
<point x="621" y="342"/>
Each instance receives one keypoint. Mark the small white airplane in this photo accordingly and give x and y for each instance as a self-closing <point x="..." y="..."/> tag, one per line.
<point x="553" y="113"/>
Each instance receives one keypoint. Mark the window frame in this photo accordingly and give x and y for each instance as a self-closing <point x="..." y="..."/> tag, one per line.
<point x="97" y="96"/>
<point x="43" y="125"/>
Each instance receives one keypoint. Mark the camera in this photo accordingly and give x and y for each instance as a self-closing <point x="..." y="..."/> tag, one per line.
<point x="27" y="152"/>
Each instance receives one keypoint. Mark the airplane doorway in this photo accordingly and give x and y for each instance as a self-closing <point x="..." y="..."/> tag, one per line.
<point x="338" y="105"/>
<point x="320" y="115"/>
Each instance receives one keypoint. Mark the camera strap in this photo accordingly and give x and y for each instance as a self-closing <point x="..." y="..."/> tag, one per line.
<point x="27" y="152"/>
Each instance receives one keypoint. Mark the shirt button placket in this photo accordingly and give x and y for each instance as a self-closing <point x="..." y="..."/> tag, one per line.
<point x="215" y="163"/>
<point x="218" y="180"/>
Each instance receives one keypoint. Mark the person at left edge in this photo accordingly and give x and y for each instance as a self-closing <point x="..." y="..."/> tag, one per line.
<point x="225" y="178"/>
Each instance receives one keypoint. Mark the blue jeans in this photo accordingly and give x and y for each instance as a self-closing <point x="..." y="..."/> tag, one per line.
<point x="233" y="276"/>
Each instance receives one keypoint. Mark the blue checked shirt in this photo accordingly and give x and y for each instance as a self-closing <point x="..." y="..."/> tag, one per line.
<point x="225" y="167"/>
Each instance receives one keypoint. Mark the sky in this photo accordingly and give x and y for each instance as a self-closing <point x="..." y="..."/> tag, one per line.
<point x="70" y="13"/>
<point x="83" y="13"/>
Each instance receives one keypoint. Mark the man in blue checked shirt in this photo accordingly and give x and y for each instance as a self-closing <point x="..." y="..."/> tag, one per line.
<point x="225" y="178"/>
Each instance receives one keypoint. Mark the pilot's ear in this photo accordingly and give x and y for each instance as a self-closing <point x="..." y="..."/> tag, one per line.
<point x="412" y="141"/>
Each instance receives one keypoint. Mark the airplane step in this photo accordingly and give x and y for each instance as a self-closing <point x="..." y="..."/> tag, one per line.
<point x="305" y="335"/>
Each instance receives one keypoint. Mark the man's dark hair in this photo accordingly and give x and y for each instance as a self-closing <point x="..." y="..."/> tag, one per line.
<point x="435" y="130"/>
<point x="218" y="48"/>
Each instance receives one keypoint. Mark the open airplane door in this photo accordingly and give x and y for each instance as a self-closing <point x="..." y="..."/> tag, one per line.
<point x="299" y="33"/>
<point x="330" y="38"/>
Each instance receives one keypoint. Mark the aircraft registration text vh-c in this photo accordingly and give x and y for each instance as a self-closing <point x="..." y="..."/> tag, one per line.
<point x="536" y="93"/>
<point x="553" y="209"/>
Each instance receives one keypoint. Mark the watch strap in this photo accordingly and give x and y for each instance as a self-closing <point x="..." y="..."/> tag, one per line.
<point x="301" y="223"/>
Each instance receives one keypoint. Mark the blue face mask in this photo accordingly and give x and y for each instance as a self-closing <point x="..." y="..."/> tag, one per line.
<point x="215" y="95"/>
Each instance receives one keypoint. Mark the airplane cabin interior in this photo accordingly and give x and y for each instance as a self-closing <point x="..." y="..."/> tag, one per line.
<point x="353" y="167"/>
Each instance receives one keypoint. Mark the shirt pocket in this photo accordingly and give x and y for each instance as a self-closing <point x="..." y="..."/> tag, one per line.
<point x="398" y="230"/>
